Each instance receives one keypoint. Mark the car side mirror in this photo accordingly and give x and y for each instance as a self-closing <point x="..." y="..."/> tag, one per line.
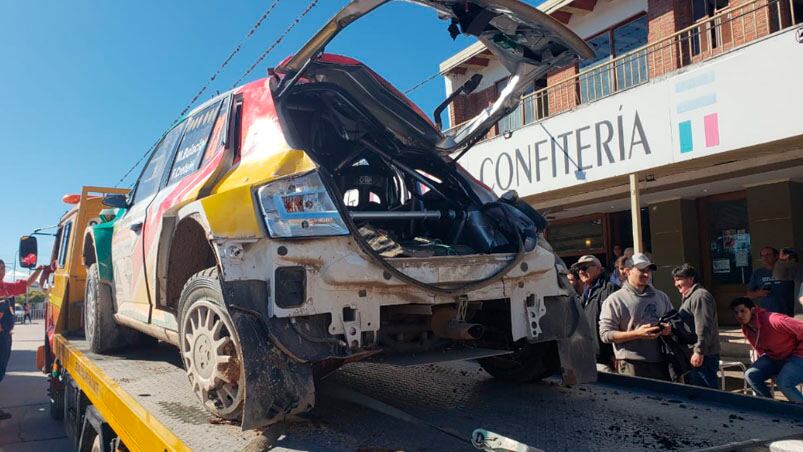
<point x="115" y="200"/>
<point x="28" y="251"/>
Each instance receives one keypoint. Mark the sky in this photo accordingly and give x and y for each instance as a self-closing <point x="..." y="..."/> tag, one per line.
<point x="86" y="87"/>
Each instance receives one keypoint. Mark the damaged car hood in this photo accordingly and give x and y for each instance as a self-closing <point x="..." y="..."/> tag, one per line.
<point x="525" y="40"/>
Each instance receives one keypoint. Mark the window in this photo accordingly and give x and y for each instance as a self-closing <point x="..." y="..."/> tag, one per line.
<point x="597" y="82"/>
<point x="536" y="107"/>
<point x="193" y="144"/>
<point x="728" y="233"/>
<point x="64" y="246"/>
<point x="631" y="70"/>
<point x="578" y="237"/>
<point x="707" y="35"/>
<point x="216" y="141"/>
<point x="518" y="117"/>
<point x="152" y="174"/>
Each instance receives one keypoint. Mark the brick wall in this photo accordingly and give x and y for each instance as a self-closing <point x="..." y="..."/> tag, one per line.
<point x="665" y="18"/>
<point x="466" y="107"/>
<point x="562" y="96"/>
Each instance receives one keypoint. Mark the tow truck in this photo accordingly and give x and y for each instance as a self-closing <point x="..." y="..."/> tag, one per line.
<point x="137" y="398"/>
<point x="135" y="395"/>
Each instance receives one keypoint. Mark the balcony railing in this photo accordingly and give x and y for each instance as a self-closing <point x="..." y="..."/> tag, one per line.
<point x="709" y="37"/>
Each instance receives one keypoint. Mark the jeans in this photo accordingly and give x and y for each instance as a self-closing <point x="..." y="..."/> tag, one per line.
<point x="634" y="368"/>
<point x="705" y="375"/>
<point x="788" y="374"/>
<point x="5" y="352"/>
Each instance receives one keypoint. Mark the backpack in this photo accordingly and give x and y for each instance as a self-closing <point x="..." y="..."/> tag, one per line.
<point x="677" y="347"/>
<point x="682" y="323"/>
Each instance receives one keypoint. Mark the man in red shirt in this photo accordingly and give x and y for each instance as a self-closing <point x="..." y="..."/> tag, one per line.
<point x="778" y="339"/>
<point x="9" y="290"/>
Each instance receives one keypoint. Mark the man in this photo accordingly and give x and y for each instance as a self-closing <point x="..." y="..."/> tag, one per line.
<point x="790" y="274"/>
<point x="701" y="305"/>
<point x="629" y="321"/>
<point x="9" y="290"/>
<point x="26" y="311"/>
<point x="778" y="340"/>
<point x="597" y="289"/>
<point x="574" y="279"/>
<point x="761" y="281"/>
<point x="617" y="254"/>
<point x="619" y="278"/>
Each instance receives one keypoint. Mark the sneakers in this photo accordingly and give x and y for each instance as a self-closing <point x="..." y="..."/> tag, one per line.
<point x="4" y="415"/>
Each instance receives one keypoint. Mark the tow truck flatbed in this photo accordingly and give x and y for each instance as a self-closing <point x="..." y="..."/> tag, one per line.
<point x="144" y="396"/>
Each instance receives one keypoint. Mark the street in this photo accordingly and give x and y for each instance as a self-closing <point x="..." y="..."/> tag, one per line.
<point x="23" y="394"/>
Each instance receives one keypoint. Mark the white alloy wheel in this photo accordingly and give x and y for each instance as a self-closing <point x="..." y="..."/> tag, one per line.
<point x="212" y="357"/>
<point x="90" y="310"/>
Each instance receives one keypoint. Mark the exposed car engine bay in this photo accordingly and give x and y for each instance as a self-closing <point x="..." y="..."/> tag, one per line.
<point x="405" y="199"/>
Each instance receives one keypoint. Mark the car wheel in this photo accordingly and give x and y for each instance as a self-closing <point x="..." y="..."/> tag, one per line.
<point x="531" y="362"/>
<point x="102" y="333"/>
<point x="210" y="347"/>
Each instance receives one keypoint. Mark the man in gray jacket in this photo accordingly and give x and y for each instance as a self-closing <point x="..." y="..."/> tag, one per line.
<point x="701" y="305"/>
<point x="629" y="321"/>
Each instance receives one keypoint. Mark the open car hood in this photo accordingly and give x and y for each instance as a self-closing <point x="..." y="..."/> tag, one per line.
<point x="527" y="41"/>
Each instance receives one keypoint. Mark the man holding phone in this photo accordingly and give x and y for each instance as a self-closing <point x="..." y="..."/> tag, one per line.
<point x="629" y="321"/>
<point x="8" y="290"/>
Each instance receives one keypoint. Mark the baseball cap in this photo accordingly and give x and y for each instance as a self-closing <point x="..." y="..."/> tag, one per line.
<point x="640" y="261"/>
<point x="584" y="261"/>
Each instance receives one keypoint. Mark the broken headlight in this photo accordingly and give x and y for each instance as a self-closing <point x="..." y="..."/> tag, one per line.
<point x="300" y="207"/>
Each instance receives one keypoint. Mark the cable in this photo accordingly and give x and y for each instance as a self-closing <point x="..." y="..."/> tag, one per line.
<point x="135" y="165"/>
<point x="422" y="83"/>
<point x="231" y="55"/>
<point x="203" y="89"/>
<point x="278" y="40"/>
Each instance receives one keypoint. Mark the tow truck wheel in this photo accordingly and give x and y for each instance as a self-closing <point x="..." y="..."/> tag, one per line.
<point x="210" y="347"/>
<point x="102" y="333"/>
<point x="531" y="362"/>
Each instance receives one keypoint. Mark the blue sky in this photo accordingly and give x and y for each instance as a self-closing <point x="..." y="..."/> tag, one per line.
<point x="86" y="87"/>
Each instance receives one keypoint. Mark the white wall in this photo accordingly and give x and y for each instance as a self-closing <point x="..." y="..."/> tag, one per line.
<point x="490" y="75"/>
<point x="606" y="14"/>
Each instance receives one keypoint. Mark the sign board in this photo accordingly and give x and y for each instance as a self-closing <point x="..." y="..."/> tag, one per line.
<point x="705" y="109"/>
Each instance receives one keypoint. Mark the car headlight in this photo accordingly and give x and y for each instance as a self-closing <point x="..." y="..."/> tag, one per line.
<point x="300" y="207"/>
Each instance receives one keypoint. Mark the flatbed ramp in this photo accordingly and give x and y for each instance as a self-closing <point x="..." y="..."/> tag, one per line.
<point x="446" y="402"/>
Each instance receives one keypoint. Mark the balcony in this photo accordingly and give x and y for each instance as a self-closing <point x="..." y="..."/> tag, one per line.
<point x="729" y="29"/>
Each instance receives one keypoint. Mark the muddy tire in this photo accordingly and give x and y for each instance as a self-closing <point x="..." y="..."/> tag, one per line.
<point x="210" y="347"/>
<point x="102" y="333"/>
<point x="532" y="362"/>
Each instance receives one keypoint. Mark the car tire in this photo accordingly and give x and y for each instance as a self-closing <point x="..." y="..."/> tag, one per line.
<point x="210" y="347"/>
<point x="531" y="362"/>
<point x="102" y="333"/>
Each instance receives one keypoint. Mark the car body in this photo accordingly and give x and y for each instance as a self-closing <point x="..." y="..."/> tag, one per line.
<point x="316" y="217"/>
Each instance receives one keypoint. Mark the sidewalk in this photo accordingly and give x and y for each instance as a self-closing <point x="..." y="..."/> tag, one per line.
<point x="23" y="393"/>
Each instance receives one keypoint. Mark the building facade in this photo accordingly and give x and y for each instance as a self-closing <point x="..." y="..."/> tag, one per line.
<point x="683" y="137"/>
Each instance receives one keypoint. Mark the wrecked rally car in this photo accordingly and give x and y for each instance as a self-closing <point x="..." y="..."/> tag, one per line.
<point x="317" y="217"/>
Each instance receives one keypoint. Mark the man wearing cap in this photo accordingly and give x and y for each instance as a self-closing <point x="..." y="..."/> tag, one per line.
<point x="597" y="288"/>
<point x="629" y="321"/>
